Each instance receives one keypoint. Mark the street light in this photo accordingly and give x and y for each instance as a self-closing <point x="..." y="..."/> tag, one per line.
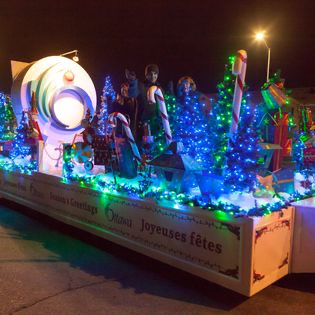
<point x="75" y="57"/>
<point x="260" y="36"/>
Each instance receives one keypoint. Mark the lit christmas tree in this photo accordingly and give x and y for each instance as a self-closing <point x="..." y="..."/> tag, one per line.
<point x="298" y="150"/>
<point x="109" y="95"/>
<point x="220" y="119"/>
<point x="10" y="116"/>
<point x="7" y="118"/>
<point x="2" y="115"/>
<point x="242" y="154"/>
<point x="299" y="144"/>
<point x="20" y="148"/>
<point x="191" y="128"/>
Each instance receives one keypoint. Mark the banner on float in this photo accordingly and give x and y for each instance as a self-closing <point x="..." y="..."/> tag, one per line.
<point x="199" y="240"/>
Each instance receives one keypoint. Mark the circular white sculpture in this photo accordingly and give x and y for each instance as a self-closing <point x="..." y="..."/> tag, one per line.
<point x="64" y="91"/>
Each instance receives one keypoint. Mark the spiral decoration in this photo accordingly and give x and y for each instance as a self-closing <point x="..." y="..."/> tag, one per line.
<point x="64" y="91"/>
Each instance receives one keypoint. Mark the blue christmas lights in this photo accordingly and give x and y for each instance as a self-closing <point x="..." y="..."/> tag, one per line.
<point x="204" y="138"/>
<point x="191" y="128"/>
<point x="109" y="95"/>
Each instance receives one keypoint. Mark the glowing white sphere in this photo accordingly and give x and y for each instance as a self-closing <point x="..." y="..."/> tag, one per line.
<point x="69" y="110"/>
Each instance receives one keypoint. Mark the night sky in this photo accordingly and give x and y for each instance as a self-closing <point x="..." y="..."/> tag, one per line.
<point x="183" y="37"/>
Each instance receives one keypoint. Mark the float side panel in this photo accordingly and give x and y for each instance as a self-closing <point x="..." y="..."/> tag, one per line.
<point x="216" y="250"/>
<point x="303" y="251"/>
<point x="272" y="239"/>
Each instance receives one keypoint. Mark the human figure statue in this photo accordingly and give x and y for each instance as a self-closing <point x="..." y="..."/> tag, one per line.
<point x="146" y="112"/>
<point x="127" y="106"/>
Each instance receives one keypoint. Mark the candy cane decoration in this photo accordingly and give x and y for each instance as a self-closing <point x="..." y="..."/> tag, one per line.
<point x="239" y="69"/>
<point x="155" y="94"/>
<point x="131" y="140"/>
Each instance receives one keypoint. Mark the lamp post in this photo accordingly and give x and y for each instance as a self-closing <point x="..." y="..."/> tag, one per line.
<point x="75" y="57"/>
<point x="261" y="37"/>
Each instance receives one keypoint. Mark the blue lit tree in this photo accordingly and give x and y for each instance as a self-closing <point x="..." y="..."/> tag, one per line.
<point x="191" y="128"/>
<point x="242" y="154"/>
<point x="108" y="97"/>
<point x="20" y="147"/>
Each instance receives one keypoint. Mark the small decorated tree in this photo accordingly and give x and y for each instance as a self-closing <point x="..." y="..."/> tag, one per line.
<point x="242" y="154"/>
<point x="109" y="95"/>
<point x="20" y="147"/>
<point x="298" y="151"/>
<point x="7" y="118"/>
<point x="10" y="116"/>
<point x="220" y="119"/>
<point x="2" y="116"/>
<point x="191" y="128"/>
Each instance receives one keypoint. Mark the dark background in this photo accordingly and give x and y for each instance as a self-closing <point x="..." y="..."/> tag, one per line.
<point x="183" y="37"/>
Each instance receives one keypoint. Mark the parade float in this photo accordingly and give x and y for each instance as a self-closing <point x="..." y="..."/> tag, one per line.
<point x="200" y="196"/>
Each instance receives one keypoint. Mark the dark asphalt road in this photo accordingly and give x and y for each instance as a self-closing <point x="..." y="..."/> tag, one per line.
<point x="50" y="268"/>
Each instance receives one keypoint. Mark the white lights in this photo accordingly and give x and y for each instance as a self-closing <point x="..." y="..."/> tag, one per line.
<point x="75" y="57"/>
<point x="260" y="36"/>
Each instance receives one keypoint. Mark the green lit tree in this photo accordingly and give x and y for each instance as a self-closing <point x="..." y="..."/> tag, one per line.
<point x="7" y="118"/>
<point x="2" y="115"/>
<point x="220" y="119"/>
